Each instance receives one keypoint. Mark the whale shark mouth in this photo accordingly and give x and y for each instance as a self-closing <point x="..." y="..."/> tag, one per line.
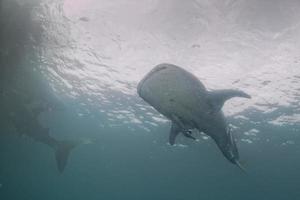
<point x="153" y="71"/>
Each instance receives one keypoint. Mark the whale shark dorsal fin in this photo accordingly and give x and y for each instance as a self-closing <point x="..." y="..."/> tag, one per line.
<point x="175" y="130"/>
<point x="217" y="98"/>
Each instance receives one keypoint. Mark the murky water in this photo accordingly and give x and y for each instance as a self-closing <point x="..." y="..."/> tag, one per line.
<point x="69" y="72"/>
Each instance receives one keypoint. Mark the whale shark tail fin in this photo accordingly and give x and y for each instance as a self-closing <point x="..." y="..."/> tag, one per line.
<point x="241" y="166"/>
<point x="62" y="154"/>
<point x="217" y="98"/>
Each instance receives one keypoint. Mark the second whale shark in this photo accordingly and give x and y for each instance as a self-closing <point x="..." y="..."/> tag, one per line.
<point x="26" y="122"/>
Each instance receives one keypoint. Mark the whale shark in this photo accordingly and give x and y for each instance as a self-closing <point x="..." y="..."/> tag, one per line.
<point x="25" y="121"/>
<point x="183" y="99"/>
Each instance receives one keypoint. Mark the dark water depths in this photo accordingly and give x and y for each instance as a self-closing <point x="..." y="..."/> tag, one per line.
<point x="69" y="70"/>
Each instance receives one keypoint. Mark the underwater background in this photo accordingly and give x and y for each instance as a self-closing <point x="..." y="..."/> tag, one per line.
<point x="76" y="65"/>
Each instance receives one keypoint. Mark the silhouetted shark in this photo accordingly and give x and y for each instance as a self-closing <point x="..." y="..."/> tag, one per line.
<point x="25" y="122"/>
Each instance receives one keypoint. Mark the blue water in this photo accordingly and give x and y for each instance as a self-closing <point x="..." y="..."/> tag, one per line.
<point x="80" y="62"/>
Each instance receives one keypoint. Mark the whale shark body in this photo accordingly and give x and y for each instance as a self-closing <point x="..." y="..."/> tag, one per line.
<point x="183" y="99"/>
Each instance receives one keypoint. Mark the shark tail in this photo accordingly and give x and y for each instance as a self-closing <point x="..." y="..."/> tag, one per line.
<point x="239" y="165"/>
<point x="62" y="154"/>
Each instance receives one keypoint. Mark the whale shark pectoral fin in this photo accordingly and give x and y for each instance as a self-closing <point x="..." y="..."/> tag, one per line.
<point x="217" y="98"/>
<point x="175" y="130"/>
